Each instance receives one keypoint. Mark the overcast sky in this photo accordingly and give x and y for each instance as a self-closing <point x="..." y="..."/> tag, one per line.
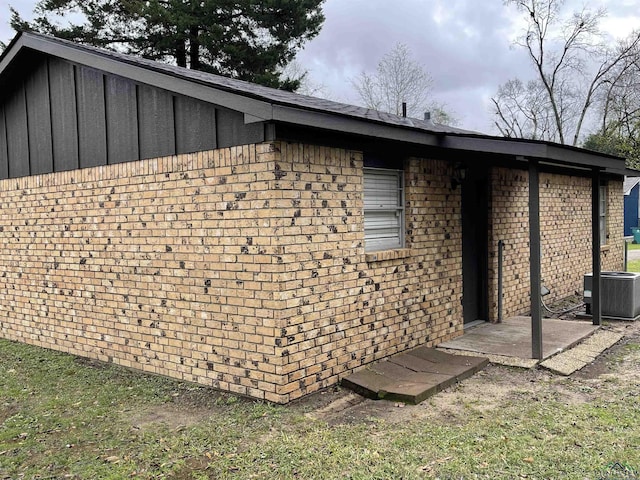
<point x="465" y="45"/>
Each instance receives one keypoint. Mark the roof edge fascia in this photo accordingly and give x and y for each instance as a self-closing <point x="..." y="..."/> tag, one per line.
<point x="357" y="126"/>
<point x="262" y="110"/>
<point x="11" y="51"/>
<point x="555" y="154"/>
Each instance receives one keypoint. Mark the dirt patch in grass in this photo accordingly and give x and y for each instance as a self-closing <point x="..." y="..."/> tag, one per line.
<point x="171" y="416"/>
<point x="484" y="392"/>
<point x="91" y="362"/>
<point x="188" y="405"/>
<point x="185" y="472"/>
<point x="7" y="410"/>
<point x="621" y="360"/>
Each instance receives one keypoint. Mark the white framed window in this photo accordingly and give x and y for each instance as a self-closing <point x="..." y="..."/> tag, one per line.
<point x="603" y="215"/>
<point x="383" y="209"/>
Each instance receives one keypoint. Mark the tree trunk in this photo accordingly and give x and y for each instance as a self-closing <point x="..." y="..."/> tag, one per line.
<point x="194" y="48"/>
<point x="181" y="53"/>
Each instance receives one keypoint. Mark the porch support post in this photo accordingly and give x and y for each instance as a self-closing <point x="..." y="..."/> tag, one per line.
<point x="596" y="311"/>
<point x="534" y="259"/>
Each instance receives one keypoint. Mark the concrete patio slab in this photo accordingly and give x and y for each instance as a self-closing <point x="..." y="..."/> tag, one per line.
<point x="496" y="359"/>
<point x="512" y="338"/>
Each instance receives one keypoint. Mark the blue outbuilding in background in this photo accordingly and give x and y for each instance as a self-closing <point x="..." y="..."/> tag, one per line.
<point x="631" y="201"/>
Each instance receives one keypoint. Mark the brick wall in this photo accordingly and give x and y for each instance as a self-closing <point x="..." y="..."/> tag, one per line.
<point x="165" y="265"/>
<point x="565" y="224"/>
<point x="244" y="268"/>
<point x="344" y="308"/>
<point x="613" y="252"/>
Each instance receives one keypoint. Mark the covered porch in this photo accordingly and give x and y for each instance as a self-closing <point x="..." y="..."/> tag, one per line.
<point x="532" y="206"/>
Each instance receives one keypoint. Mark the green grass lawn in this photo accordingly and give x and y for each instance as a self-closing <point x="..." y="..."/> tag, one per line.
<point x="633" y="266"/>
<point x="62" y="417"/>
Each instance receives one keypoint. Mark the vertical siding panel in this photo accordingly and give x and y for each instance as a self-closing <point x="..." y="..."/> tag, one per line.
<point x="156" y="127"/>
<point x="232" y="131"/>
<point x="17" y="136"/>
<point x="195" y="125"/>
<point x="92" y="132"/>
<point x="39" y="118"/>
<point x="63" y="112"/>
<point x="4" y="160"/>
<point x="122" y="120"/>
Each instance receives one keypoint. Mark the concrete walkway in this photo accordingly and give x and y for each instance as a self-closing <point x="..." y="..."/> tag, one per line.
<point x="633" y="255"/>
<point x="581" y="355"/>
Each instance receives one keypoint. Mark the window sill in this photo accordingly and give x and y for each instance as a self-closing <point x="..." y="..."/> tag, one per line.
<point x="387" y="255"/>
<point x="605" y="248"/>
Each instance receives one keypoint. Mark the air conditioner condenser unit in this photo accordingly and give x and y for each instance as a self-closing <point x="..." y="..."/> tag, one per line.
<point x="619" y="294"/>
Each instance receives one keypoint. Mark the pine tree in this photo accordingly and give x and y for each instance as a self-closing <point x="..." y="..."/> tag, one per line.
<point x="247" y="39"/>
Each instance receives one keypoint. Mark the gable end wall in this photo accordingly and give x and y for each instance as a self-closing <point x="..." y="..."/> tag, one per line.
<point x="64" y="116"/>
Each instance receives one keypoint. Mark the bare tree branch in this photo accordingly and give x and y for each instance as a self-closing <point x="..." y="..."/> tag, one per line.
<point x="574" y="66"/>
<point x="398" y="78"/>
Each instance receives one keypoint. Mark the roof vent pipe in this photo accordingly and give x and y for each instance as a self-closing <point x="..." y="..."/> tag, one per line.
<point x="404" y="109"/>
<point x="427" y="116"/>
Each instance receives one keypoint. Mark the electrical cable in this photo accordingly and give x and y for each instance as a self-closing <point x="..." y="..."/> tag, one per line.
<point x="561" y="312"/>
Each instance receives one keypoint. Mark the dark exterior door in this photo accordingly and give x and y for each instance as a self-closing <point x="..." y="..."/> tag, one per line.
<point x="475" y="213"/>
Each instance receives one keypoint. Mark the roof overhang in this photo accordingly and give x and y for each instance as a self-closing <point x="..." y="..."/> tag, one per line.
<point x="545" y="152"/>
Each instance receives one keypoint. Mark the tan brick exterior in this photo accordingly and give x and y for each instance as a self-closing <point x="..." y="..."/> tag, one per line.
<point x="244" y="268"/>
<point x="343" y="311"/>
<point x="161" y="265"/>
<point x="565" y="224"/>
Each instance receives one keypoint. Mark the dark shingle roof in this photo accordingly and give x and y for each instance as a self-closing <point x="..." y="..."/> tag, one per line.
<point x="271" y="95"/>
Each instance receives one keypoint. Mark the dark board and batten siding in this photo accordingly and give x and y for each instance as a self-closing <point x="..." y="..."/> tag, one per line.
<point x="65" y="116"/>
<point x="17" y="137"/>
<point x="39" y="120"/>
<point x="4" y="158"/>
<point x="155" y="122"/>
<point x="92" y="131"/>
<point x="195" y="123"/>
<point x="64" y="125"/>
<point x="122" y="120"/>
